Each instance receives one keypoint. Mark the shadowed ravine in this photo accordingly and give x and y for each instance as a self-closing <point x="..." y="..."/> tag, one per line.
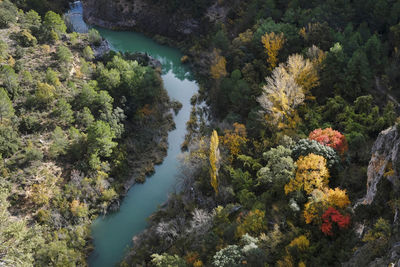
<point x="113" y="233"/>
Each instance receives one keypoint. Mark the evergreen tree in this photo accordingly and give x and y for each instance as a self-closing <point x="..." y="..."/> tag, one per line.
<point x="358" y="75"/>
<point x="6" y="108"/>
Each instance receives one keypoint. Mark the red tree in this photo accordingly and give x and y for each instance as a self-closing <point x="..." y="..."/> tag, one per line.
<point x="331" y="215"/>
<point x="331" y="138"/>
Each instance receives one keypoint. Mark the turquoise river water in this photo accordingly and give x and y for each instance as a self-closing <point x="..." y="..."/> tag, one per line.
<point x="112" y="234"/>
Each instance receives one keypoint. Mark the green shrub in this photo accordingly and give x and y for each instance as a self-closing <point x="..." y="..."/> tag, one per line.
<point x="8" y="13"/>
<point x="9" y="141"/>
<point x="32" y="21"/>
<point x="306" y="146"/>
<point x="25" y="38"/>
<point x="64" y="55"/>
<point x="94" y="37"/>
<point x="53" y="26"/>
<point x="60" y="143"/>
<point x="32" y="153"/>
<point x="10" y="80"/>
<point x="52" y="78"/>
<point x="88" y="53"/>
<point x="64" y="112"/>
<point x="45" y="93"/>
<point x="3" y="50"/>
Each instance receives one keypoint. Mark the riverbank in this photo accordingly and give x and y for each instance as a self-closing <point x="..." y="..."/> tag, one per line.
<point x="147" y="145"/>
<point x="180" y="27"/>
<point x="71" y="121"/>
<point x="112" y="233"/>
<point x="253" y="217"/>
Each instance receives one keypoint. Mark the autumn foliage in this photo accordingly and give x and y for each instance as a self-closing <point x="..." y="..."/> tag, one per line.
<point x="320" y="200"/>
<point x="311" y="174"/>
<point x="287" y="88"/>
<point x="214" y="160"/>
<point x="234" y="139"/>
<point x="253" y="223"/>
<point x="299" y="246"/>
<point x="273" y="43"/>
<point x="331" y="216"/>
<point x="145" y="111"/>
<point x="331" y="138"/>
<point x="218" y="69"/>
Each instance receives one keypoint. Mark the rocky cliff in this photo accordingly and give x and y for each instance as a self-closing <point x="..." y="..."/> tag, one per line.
<point x="384" y="163"/>
<point x="144" y="16"/>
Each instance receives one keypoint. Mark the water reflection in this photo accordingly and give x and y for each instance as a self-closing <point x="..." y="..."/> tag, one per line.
<point x="113" y="233"/>
<point x="119" y="40"/>
<point x="169" y="58"/>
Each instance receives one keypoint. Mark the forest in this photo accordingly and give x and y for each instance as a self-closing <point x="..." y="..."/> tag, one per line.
<point x="67" y="117"/>
<point x="298" y="92"/>
<point x="302" y="108"/>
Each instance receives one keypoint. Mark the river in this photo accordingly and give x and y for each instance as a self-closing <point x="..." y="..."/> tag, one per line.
<point x="112" y="234"/>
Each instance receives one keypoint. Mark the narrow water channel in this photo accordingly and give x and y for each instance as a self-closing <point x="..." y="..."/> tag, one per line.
<point x="113" y="233"/>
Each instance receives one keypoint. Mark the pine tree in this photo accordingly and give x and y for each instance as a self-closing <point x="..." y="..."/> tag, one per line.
<point x="6" y="108"/>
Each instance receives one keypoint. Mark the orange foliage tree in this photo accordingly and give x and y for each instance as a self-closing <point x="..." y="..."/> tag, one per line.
<point x="331" y="138"/>
<point x="218" y="69"/>
<point x="145" y="111"/>
<point x="235" y="138"/>
<point x="273" y="43"/>
<point x="311" y="174"/>
<point x="332" y="215"/>
<point x="320" y="200"/>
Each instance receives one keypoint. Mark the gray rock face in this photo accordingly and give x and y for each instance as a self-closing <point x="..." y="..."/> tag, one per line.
<point x="362" y="257"/>
<point x="384" y="163"/>
<point x="102" y="49"/>
<point x="141" y="15"/>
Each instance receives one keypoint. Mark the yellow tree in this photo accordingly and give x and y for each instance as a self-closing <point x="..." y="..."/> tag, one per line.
<point x="272" y="43"/>
<point x="281" y="95"/>
<point x="300" y="245"/>
<point x="317" y="56"/>
<point x="214" y="160"/>
<point x="286" y="89"/>
<point x="336" y="197"/>
<point x="304" y="72"/>
<point x="311" y="174"/>
<point x="320" y="200"/>
<point x="46" y="187"/>
<point x="236" y="138"/>
<point x="79" y="209"/>
<point x="253" y="223"/>
<point x="218" y="69"/>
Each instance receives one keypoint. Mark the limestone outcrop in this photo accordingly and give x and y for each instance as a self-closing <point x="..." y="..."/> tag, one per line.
<point x="384" y="163"/>
<point x="144" y="16"/>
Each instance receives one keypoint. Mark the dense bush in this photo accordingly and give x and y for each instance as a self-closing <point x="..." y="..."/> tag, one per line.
<point x="94" y="37"/>
<point x="306" y="146"/>
<point x="8" y="13"/>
